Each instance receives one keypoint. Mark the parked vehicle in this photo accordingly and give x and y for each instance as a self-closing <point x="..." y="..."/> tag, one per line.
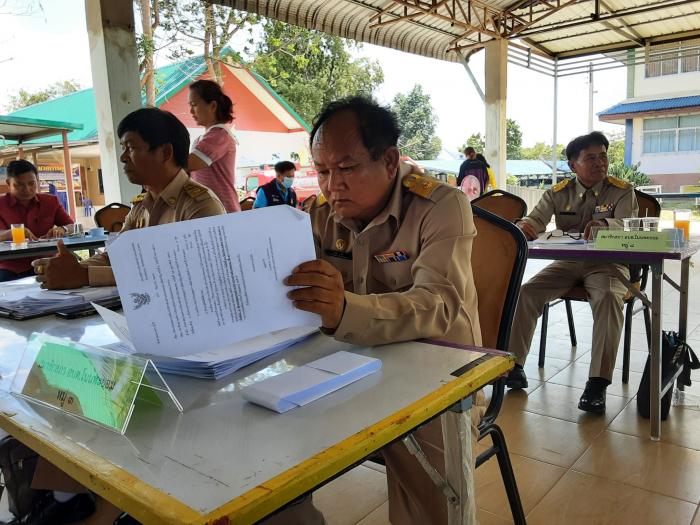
<point x="305" y="182"/>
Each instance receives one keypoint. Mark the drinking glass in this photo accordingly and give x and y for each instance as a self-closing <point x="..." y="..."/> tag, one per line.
<point x="631" y="224"/>
<point x="650" y="224"/>
<point x="18" y="237"/>
<point x="681" y="220"/>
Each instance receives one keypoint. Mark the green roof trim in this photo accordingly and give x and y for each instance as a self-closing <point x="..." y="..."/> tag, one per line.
<point x="279" y="99"/>
<point x="172" y="78"/>
<point x="39" y="123"/>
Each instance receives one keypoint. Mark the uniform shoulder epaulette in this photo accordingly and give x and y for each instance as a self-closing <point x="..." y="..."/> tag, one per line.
<point x="423" y="186"/>
<point x="138" y="198"/>
<point x="560" y="185"/>
<point x="196" y="191"/>
<point x="619" y="183"/>
<point x="320" y="200"/>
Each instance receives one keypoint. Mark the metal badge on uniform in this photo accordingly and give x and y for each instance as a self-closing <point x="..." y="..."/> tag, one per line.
<point x="389" y="257"/>
<point x="340" y="244"/>
<point x="604" y="208"/>
<point x="338" y="254"/>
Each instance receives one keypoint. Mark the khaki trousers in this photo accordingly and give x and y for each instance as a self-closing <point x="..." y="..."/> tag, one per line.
<point x="605" y="294"/>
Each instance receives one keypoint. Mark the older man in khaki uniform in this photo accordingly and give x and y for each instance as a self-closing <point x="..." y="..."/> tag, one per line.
<point x="394" y="265"/>
<point x="155" y="144"/>
<point x="591" y="199"/>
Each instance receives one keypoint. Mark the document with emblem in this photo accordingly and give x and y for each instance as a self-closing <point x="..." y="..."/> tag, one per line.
<point x="200" y="285"/>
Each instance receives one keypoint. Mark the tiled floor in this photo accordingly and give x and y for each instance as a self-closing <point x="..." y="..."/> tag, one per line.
<point x="572" y="467"/>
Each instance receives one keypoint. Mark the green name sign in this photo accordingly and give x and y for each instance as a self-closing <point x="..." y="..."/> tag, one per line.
<point x="645" y="241"/>
<point x="92" y="383"/>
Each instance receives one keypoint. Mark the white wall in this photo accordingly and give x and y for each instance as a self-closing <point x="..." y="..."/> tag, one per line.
<point x="667" y="85"/>
<point x="661" y="163"/>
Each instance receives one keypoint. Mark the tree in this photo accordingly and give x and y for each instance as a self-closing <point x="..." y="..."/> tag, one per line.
<point x="211" y="25"/>
<point x="616" y="152"/>
<point x="415" y="114"/>
<point x="145" y="42"/>
<point x="25" y="98"/>
<point x="475" y="141"/>
<point x="309" y="68"/>
<point x="514" y="139"/>
<point x="542" y="151"/>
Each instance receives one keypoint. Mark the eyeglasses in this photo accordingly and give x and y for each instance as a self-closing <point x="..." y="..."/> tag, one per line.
<point x="573" y="234"/>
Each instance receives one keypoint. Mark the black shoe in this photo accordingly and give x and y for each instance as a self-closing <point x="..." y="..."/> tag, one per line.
<point x="48" y="511"/>
<point x="593" y="398"/>
<point x="516" y="378"/>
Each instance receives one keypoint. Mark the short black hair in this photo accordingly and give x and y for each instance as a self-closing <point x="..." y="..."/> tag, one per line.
<point x="468" y="150"/>
<point x="377" y="124"/>
<point x="158" y="127"/>
<point x="576" y="146"/>
<point x="284" y="165"/>
<point x="18" y="167"/>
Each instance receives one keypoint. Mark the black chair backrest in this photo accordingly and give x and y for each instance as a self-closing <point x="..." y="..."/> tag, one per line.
<point x="506" y="205"/>
<point x="648" y="205"/>
<point x="112" y="216"/>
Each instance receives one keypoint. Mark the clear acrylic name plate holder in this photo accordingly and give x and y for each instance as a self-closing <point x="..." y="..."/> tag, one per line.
<point x="93" y="384"/>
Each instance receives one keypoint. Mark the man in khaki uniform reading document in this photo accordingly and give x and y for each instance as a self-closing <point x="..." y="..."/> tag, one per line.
<point x="592" y="199"/>
<point x="155" y="147"/>
<point x="394" y="254"/>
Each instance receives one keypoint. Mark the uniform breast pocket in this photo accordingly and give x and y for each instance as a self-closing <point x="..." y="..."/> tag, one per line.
<point x="344" y="266"/>
<point x="601" y="215"/>
<point x="392" y="276"/>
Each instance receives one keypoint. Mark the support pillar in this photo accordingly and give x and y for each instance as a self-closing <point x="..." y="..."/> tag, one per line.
<point x="115" y="78"/>
<point x="68" y="170"/>
<point x="496" y="67"/>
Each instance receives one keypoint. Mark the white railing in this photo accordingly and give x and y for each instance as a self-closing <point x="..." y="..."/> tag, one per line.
<point x="530" y="195"/>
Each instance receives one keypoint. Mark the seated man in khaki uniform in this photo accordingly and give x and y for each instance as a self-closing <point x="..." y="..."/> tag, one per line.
<point x="394" y="265"/>
<point x="155" y="147"/>
<point x="591" y="199"/>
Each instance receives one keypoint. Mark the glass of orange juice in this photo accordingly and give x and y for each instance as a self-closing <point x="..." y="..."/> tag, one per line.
<point x="18" y="237"/>
<point x="681" y="220"/>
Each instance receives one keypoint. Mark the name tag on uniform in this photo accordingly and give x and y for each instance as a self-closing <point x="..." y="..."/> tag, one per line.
<point x="567" y="213"/>
<point x="339" y="255"/>
<point x="389" y="257"/>
<point x="604" y="208"/>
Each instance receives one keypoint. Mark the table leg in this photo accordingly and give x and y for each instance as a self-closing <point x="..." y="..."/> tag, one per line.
<point x="655" y="376"/>
<point x="459" y="465"/>
<point x="683" y="303"/>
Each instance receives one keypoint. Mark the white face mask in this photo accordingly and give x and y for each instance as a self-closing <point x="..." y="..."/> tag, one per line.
<point x="288" y="181"/>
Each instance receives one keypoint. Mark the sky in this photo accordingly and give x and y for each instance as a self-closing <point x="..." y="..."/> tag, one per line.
<point x="51" y="45"/>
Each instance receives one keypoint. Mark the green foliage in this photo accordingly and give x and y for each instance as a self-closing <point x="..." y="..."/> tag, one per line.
<point x="512" y="180"/>
<point x="629" y="173"/>
<point x="514" y="139"/>
<point x="616" y="152"/>
<point x="309" y="68"/>
<point x="475" y="141"/>
<point x="417" y="121"/>
<point x="541" y="151"/>
<point x="25" y="98"/>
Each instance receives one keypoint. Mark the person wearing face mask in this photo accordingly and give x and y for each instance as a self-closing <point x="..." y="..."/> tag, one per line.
<point x="212" y="159"/>
<point x="279" y="190"/>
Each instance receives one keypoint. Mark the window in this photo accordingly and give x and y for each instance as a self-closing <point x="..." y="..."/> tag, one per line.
<point x="668" y="134"/>
<point x="673" y="58"/>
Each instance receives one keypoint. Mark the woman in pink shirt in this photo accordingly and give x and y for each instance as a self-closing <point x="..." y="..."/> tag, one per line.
<point x="212" y="161"/>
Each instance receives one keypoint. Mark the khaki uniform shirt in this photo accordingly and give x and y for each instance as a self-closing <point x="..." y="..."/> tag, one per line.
<point x="407" y="274"/>
<point x="574" y="205"/>
<point x="181" y="200"/>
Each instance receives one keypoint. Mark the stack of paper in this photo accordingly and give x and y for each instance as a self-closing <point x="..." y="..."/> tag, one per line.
<point x="25" y="298"/>
<point x="212" y="364"/>
<point x="312" y="381"/>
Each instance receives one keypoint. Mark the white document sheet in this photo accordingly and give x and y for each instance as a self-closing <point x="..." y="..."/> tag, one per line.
<point x="305" y="384"/>
<point x="203" y="284"/>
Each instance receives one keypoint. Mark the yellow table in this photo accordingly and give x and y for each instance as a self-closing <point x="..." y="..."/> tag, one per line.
<point x="227" y="461"/>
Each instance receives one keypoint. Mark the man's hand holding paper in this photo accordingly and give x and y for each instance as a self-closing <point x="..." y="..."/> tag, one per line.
<point x="321" y="291"/>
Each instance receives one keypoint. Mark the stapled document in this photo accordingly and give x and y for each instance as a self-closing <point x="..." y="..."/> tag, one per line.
<point x="309" y="382"/>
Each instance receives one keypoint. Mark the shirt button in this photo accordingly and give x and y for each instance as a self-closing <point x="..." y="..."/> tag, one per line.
<point x="171" y="200"/>
<point x="361" y="279"/>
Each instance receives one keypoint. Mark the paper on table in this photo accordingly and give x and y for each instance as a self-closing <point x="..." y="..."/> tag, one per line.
<point x="309" y="382"/>
<point x="207" y="283"/>
<point x="210" y="364"/>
